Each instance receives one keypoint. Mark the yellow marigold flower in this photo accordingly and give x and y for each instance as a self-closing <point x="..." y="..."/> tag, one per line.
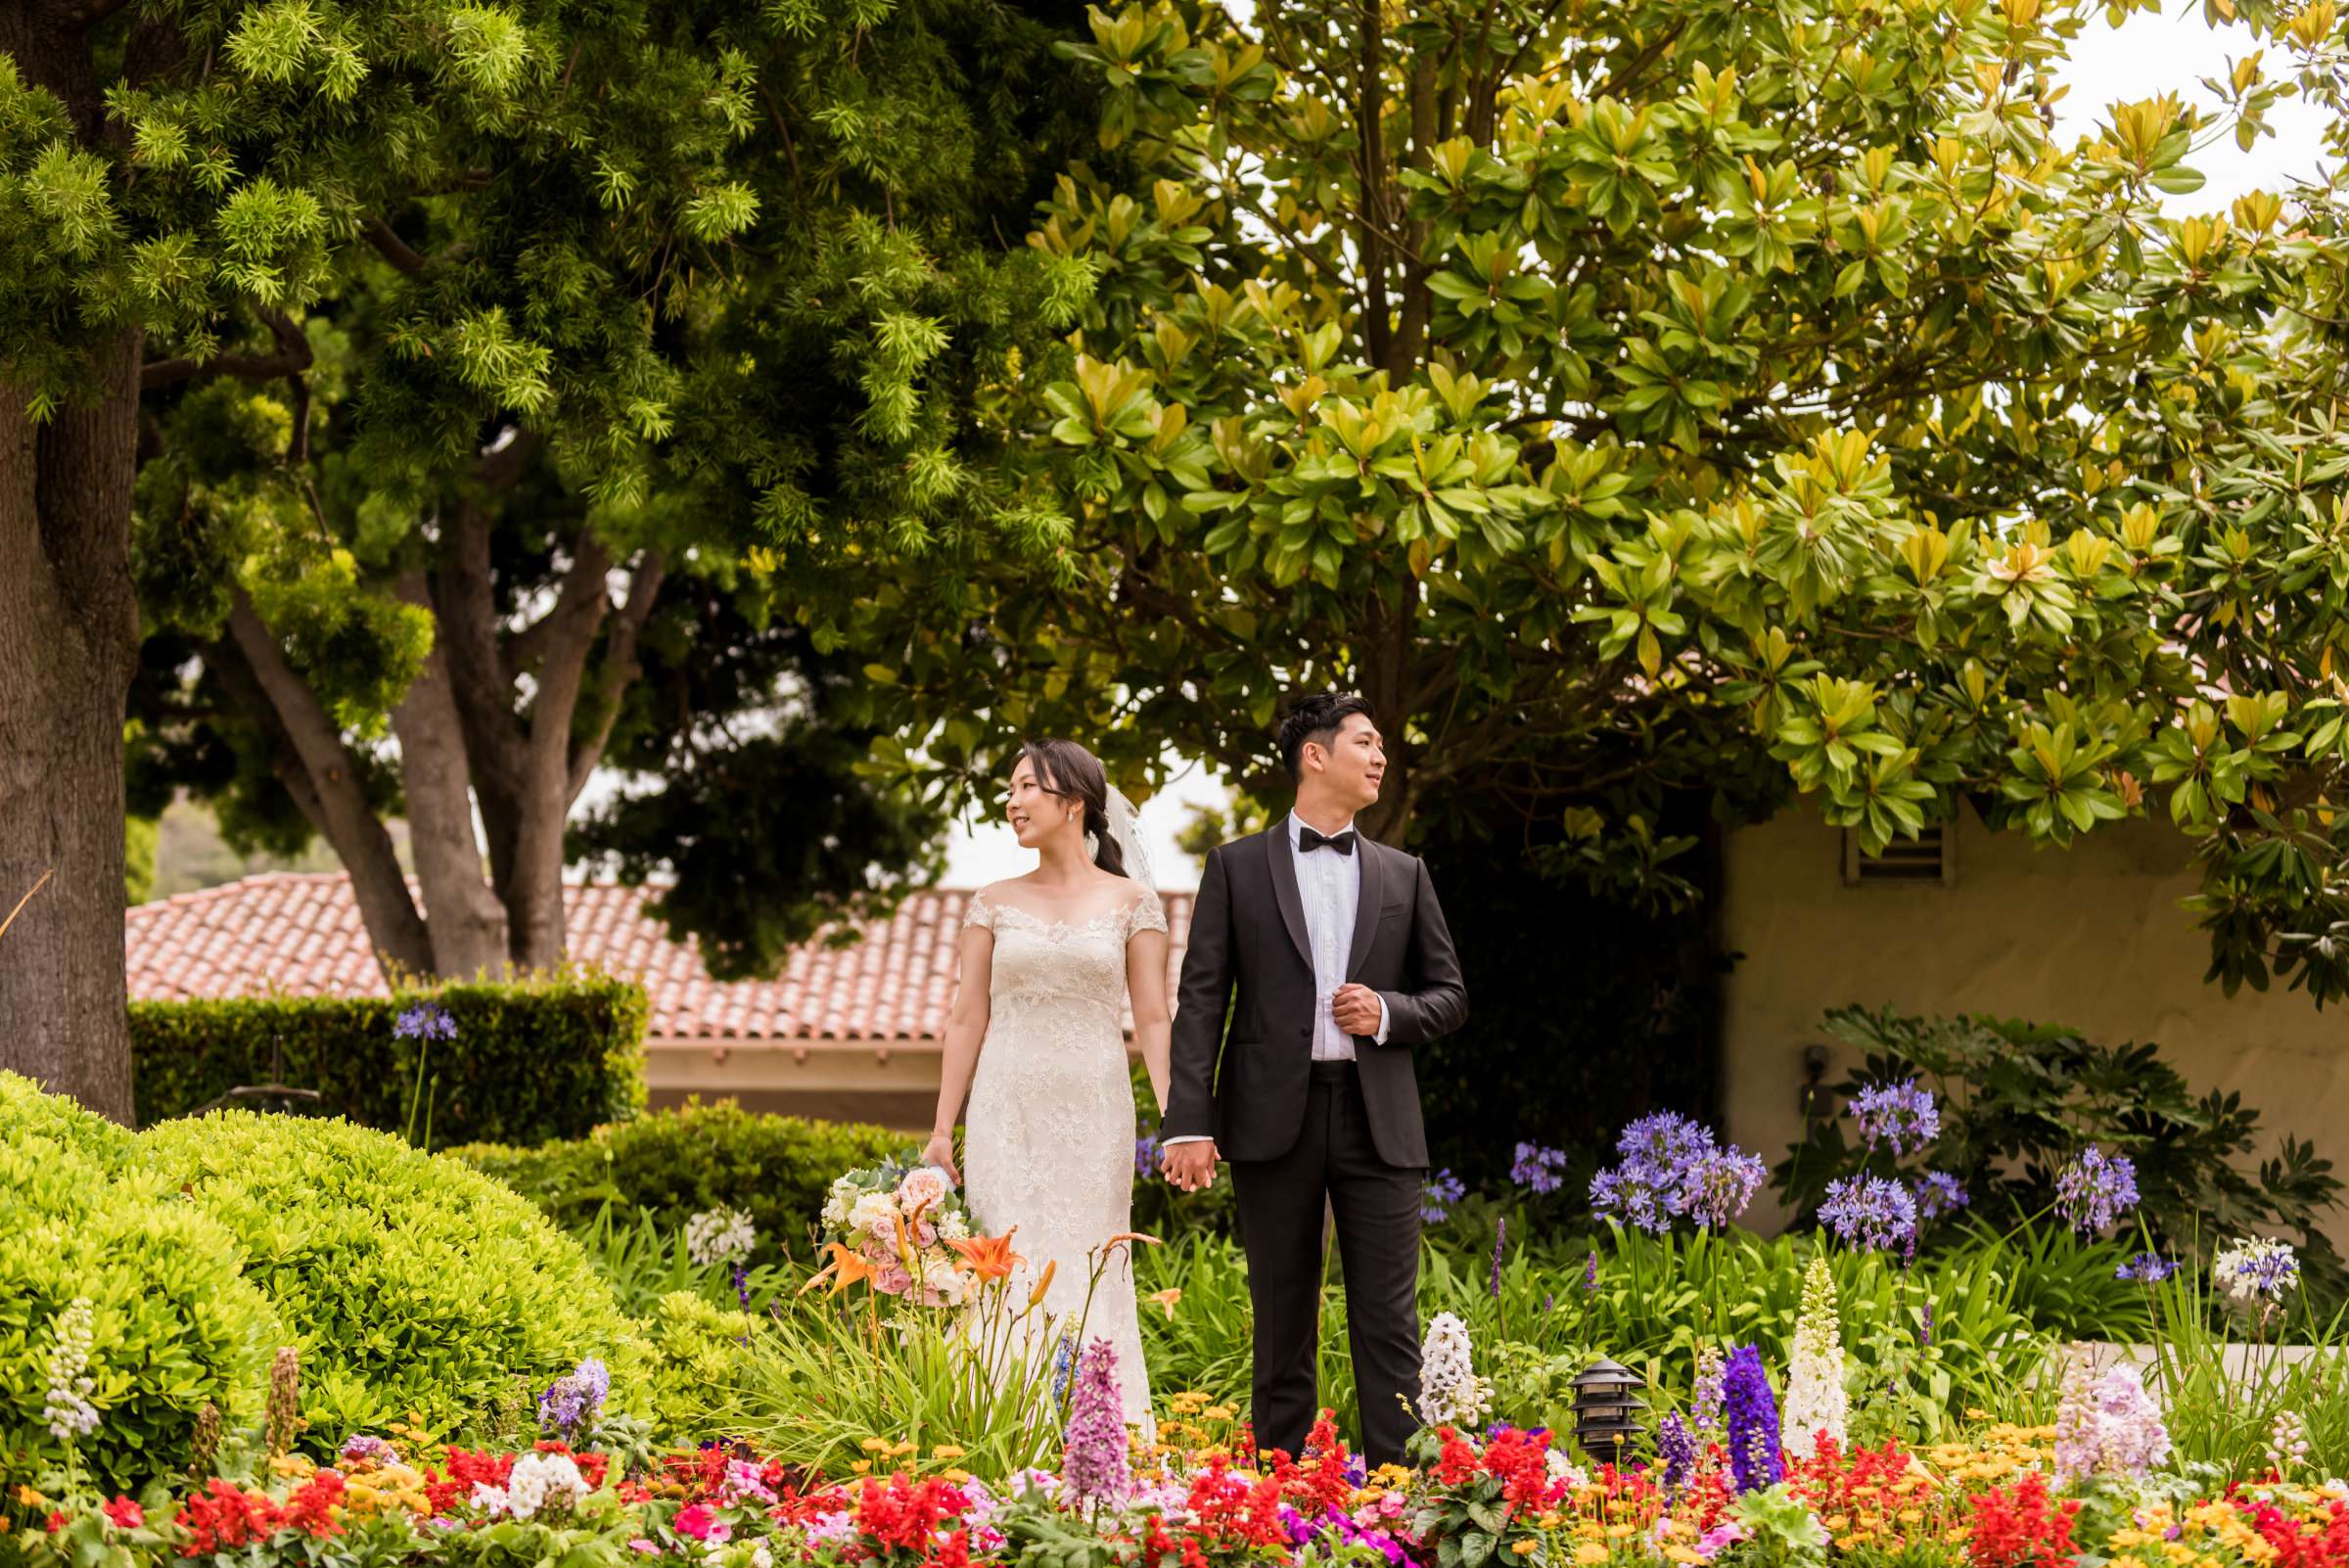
<point x="1589" y="1554"/>
<point x="861" y="1466"/>
<point x="1620" y="1531"/>
<point x="1837" y="1523"/>
<point x="1844" y="1542"/>
<point x="1548" y="1520"/>
<point x="946" y="1450"/>
<point x="1525" y="1547"/>
<point x="1909" y="1516"/>
<point x="958" y="1477"/>
<point x="1219" y="1413"/>
<point x="875" y="1445"/>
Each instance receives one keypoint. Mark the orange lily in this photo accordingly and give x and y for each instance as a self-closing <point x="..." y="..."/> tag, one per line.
<point x="1044" y="1281"/>
<point x="1165" y="1300"/>
<point x="987" y="1257"/>
<point x="846" y="1268"/>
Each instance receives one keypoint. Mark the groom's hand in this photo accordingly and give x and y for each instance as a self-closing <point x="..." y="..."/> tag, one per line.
<point x="1357" y="1009"/>
<point x="1189" y="1166"/>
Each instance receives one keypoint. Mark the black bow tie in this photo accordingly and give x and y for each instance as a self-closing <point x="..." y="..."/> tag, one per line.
<point x="1308" y="841"/>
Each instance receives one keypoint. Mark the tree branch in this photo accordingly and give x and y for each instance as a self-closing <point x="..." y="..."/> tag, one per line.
<point x="391" y="247"/>
<point x="619" y="667"/>
<point x="293" y="356"/>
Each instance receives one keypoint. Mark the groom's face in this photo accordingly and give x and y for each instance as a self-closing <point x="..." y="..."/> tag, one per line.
<point x="1354" y="763"/>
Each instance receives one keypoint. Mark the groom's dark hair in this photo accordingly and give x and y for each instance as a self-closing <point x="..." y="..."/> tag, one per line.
<point x="1317" y="718"/>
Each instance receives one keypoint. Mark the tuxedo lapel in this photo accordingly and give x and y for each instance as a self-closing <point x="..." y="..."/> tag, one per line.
<point x="1282" y="861"/>
<point x="1366" y="909"/>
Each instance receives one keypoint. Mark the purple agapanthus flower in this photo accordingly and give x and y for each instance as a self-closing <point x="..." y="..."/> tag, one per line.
<point x="2145" y="1269"/>
<point x="1438" y="1194"/>
<point x="1666" y="1139"/>
<point x="1676" y="1446"/>
<point x="424" y="1021"/>
<point x="2095" y="1190"/>
<point x="1938" y="1193"/>
<point x="1715" y="1186"/>
<point x="1145" y="1155"/>
<point x="572" y="1401"/>
<point x="1537" y="1168"/>
<point x="1634" y="1192"/>
<point x="1869" y="1211"/>
<point x="1753" y="1421"/>
<point x="1900" y="1116"/>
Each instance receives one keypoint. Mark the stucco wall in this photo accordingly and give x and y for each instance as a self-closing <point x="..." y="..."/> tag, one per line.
<point x="2092" y="937"/>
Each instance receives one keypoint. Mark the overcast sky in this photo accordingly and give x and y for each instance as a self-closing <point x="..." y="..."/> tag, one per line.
<point x="2150" y="54"/>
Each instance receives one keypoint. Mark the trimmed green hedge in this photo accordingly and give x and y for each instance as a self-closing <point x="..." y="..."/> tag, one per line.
<point x="533" y="1060"/>
<point x="675" y="1164"/>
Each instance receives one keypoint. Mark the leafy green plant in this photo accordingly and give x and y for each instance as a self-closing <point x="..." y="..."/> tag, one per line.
<point x="534" y="1059"/>
<point x="2018" y="1099"/>
<point x="411" y="1282"/>
<point x="671" y="1164"/>
<point x="644" y="1263"/>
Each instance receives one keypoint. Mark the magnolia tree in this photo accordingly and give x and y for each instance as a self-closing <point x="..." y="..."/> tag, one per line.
<point x="1686" y="394"/>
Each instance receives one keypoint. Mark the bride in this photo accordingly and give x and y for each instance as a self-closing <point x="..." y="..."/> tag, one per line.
<point x="1033" y="1038"/>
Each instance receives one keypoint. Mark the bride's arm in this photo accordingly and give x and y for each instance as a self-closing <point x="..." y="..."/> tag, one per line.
<point x="1153" y="1024"/>
<point x="966" y="1028"/>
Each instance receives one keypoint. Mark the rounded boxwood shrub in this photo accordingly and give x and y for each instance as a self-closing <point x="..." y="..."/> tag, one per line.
<point x="676" y="1164"/>
<point x="415" y="1286"/>
<point x="174" y="1325"/>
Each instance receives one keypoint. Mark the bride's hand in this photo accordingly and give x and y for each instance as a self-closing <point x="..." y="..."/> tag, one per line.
<point x="940" y="1151"/>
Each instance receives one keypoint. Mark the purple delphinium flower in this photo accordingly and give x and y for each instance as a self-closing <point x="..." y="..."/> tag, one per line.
<point x="1938" y="1193"/>
<point x="2145" y="1269"/>
<point x="1715" y="1186"/>
<point x="572" y="1401"/>
<point x="1591" y="1272"/>
<point x="1145" y="1155"/>
<point x="1634" y="1193"/>
<point x="1501" y="1246"/>
<point x="1705" y="1398"/>
<point x="1926" y="1336"/>
<point x="1438" y="1194"/>
<point x="1753" y="1419"/>
<point x="1064" y="1367"/>
<point x="1094" y="1451"/>
<point x="1537" y="1168"/>
<point x="1676" y="1446"/>
<point x="1900" y="1116"/>
<point x="2095" y="1190"/>
<point x="424" y="1021"/>
<point x="1869" y="1211"/>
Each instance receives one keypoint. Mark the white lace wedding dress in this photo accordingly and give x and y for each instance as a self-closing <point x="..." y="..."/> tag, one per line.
<point x="1049" y="1135"/>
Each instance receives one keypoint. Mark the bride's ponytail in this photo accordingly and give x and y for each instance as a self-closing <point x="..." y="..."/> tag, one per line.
<point x="1106" y="853"/>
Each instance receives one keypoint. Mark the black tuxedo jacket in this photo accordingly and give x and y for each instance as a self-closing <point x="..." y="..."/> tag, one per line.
<point x="1249" y="957"/>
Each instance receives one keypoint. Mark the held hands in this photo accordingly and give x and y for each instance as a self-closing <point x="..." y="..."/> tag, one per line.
<point x="1357" y="1009"/>
<point x="940" y="1151"/>
<point x="1191" y="1166"/>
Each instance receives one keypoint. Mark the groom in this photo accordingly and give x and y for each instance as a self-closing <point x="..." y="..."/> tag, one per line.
<point x="1338" y="953"/>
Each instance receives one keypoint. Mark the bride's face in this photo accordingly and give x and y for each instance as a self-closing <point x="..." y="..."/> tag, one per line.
<point x="1035" y="813"/>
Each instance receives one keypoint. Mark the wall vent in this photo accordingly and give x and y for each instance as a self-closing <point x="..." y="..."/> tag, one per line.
<point x="1926" y="857"/>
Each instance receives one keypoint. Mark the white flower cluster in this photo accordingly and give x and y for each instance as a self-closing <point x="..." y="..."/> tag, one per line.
<point x="2256" y="1268"/>
<point x="719" y="1235"/>
<point x="2288" y="1441"/>
<point x="1561" y="1468"/>
<point x="69" y="1413"/>
<point x="838" y="1199"/>
<point x="1450" y="1394"/>
<point x="1814" y="1398"/>
<point x="952" y="1227"/>
<point x="538" y="1480"/>
<point x="875" y="1215"/>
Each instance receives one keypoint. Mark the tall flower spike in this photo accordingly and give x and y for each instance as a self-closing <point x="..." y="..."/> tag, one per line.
<point x="1753" y="1422"/>
<point x="1450" y="1394"/>
<point x="1816" y="1404"/>
<point x="1093" y="1457"/>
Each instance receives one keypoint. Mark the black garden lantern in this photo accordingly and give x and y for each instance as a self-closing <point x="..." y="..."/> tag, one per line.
<point x="274" y="1095"/>
<point x="1606" y="1411"/>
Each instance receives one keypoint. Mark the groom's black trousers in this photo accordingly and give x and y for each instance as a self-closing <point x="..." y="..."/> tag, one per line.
<point x="1376" y="1207"/>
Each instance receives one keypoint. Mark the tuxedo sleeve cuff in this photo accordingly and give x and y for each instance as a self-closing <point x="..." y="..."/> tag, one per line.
<point x="1189" y="1137"/>
<point x="1385" y="1020"/>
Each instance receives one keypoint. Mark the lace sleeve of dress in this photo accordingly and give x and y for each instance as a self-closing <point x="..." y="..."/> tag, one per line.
<point x="979" y="912"/>
<point x="1145" y="913"/>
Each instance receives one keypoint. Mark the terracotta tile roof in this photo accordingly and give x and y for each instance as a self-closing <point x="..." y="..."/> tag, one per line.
<point x="300" y="935"/>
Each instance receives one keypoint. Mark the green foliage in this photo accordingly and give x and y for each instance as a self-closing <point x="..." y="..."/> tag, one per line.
<point x="2017" y="1100"/>
<point x="411" y="1282"/>
<point x="1663" y="395"/>
<point x="534" y="1059"/>
<point x="2225" y="1381"/>
<point x="671" y="1164"/>
<point x="174" y="1326"/>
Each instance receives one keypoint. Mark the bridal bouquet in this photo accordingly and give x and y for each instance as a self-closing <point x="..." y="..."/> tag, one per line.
<point x="899" y="1222"/>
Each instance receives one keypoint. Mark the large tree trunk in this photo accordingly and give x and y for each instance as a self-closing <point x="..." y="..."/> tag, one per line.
<point x="68" y="643"/>
<point x="463" y="917"/>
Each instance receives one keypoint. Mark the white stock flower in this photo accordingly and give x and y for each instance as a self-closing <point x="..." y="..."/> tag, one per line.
<point x="838" y="1200"/>
<point x="1450" y="1394"/>
<point x="719" y="1235"/>
<point x="875" y="1214"/>
<point x="69" y="1411"/>
<point x="951" y="1227"/>
<point x="1815" y="1396"/>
